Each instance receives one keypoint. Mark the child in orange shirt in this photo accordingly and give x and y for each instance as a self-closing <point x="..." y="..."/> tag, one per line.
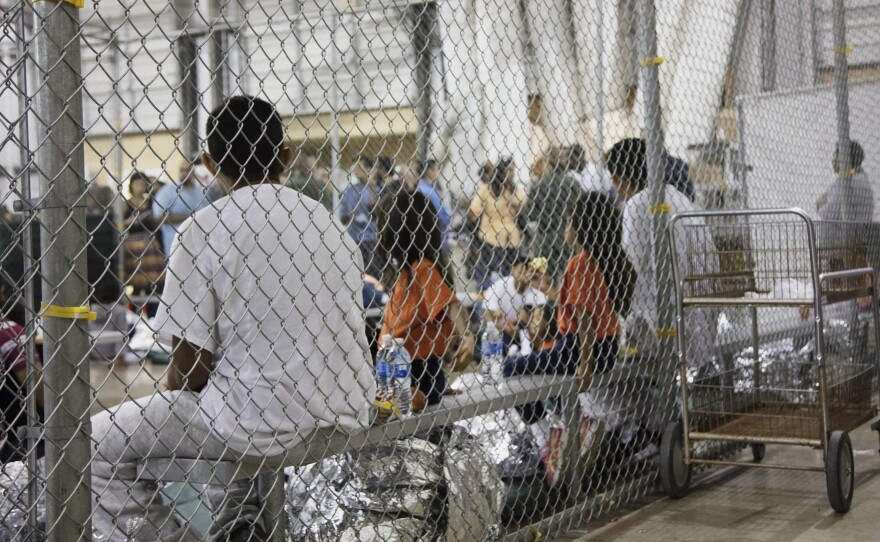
<point x="423" y="309"/>
<point x="596" y="288"/>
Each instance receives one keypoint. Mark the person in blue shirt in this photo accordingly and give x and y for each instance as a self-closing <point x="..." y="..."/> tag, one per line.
<point x="357" y="207"/>
<point x="177" y="201"/>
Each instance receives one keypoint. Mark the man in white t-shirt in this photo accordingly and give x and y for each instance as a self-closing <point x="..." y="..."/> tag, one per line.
<point x="627" y="164"/>
<point x="507" y="296"/>
<point x="262" y="303"/>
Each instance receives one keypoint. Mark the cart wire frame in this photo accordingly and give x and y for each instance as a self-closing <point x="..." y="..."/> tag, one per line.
<point x="816" y="301"/>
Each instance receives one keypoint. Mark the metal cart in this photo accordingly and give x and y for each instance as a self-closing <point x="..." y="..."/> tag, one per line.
<point x="784" y="261"/>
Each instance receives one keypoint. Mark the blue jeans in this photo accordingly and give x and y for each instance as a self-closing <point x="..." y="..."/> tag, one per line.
<point x="563" y="358"/>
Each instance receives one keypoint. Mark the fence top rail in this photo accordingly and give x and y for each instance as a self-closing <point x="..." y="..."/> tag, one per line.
<point x="474" y="400"/>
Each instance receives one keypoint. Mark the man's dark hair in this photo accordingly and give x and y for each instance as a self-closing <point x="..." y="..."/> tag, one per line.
<point x="245" y="138"/>
<point x="425" y="165"/>
<point x="627" y="160"/>
<point x="385" y="163"/>
<point x="856" y="154"/>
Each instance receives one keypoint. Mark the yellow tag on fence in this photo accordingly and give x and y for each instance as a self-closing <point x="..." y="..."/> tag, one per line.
<point x="655" y="209"/>
<point x="71" y="313"/>
<point x="75" y="3"/>
<point x="652" y="61"/>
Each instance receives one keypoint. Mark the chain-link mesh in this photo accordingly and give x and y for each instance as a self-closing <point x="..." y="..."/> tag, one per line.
<point x="362" y="270"/>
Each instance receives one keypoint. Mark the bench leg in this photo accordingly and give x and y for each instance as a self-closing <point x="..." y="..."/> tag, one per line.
<point x="270" y="488"/>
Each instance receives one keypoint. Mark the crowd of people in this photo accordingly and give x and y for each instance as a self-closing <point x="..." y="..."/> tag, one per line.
<point x="262" y="294"/>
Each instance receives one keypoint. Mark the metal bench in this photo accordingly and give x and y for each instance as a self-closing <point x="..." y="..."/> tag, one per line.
<point x="268" y="476"/>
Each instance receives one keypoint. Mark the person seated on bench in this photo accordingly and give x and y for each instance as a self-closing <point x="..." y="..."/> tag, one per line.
<point x="508" y="295"/>
<point x="596" y="287"/>
<point x="423" y="309"/>
<point x="262" y="301"/>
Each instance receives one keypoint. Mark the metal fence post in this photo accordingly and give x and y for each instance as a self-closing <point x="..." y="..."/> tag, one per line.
<point x="841" y="87"/>
<point x="654" y="149"/>
<point x="423" y="18"/>
<point x="60" y="161"/>
<point x="187" y="57"/>
<point x="27" y="236"/>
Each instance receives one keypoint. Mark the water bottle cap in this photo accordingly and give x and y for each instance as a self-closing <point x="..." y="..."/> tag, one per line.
<point x="398" y="341"/>
<point x="386" y="339"/>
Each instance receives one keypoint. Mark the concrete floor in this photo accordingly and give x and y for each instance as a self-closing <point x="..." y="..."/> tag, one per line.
<point x="741" y="504"/>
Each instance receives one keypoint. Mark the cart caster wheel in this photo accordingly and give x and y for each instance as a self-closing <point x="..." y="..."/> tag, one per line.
<point x="840" y="471"/>
<point x="675" y="474"/>
<point x="758" y="451"/>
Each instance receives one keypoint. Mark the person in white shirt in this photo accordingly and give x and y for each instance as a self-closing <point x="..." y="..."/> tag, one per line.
<point x="590" y="176"/>
<point x="507" y="296"/>
<point x="262" y="305"/>
<point x="833" y="203"/>
<point x="627" y="164"/>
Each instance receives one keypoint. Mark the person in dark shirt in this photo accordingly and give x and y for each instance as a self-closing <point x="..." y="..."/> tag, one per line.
<point x="676" y="173"/>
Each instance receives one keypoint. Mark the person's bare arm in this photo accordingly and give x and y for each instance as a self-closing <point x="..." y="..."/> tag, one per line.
<point x="587" y="338"/>
<point x="500" y="321"/>
<point x="460" y="352"/>
<point x="190" y="366"/>
<point x="21" y="376"/>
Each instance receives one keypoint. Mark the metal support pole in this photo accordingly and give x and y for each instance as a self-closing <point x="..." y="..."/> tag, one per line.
<point x="815" y="39"/>
<point x="654" y="151"/>
<point x="188" y="97"/>
<point x="768" y="45"/>
<point x="118" y="157"/>
<point x="599" y="45"/>
<point x="335" y="161"/>
<point x="24" y="107"/>
<point x="423" y="17"/>
<point x="841" y="88"/>
<point x="60" y="161"/>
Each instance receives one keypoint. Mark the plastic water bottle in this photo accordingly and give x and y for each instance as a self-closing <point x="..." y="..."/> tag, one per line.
<point x="492" y="348"/>
<point x="402" y="382"/>
<point x="384" y="372"/>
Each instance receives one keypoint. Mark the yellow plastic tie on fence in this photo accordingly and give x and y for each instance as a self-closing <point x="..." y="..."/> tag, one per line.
<point x="72" y="313"/>
<point x="75" y="3"/>
<point x="663" y="208"/>
<point x="536" y="534"/>
<point x="652" y="61"/>
<point x="628" y="352"/>
<point x="843" y="49"/>
<point x="666" y="332"/>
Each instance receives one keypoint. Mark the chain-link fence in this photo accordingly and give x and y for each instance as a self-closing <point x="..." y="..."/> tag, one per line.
<point x="399" y="270"/>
